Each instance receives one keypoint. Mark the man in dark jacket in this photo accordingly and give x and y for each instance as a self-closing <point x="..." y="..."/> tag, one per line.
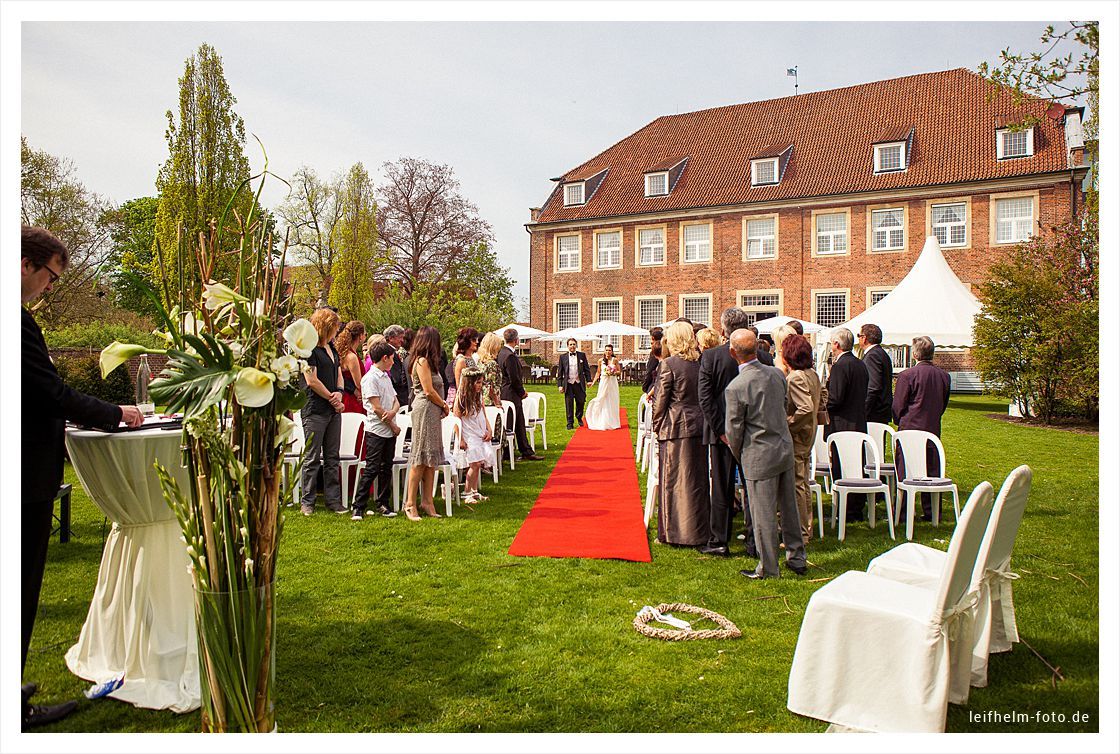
<point x="847" y="403"/>
<point x="46" y="404"/>
<point x="514" y="391"/>
<point x="394" y="336"/>
<point x="880" y="371"/>
<point x="717" y="369"/>
<point x="572" y="375"/>
<point x="654" y="361"/>
<point x="919" y="402"/>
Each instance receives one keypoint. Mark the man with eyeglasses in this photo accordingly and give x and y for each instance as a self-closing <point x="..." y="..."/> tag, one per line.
<point x="46" y="404"/>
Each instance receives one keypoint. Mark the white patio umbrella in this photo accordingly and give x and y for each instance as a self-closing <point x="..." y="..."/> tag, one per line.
<point x="601" y="329"/>
<point x="771" y="324"/>
<point x="524" y="332"/>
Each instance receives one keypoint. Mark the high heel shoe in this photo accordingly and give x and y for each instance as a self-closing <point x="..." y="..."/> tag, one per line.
<point x="411" y="514"/>
<point x="429" y="510"/>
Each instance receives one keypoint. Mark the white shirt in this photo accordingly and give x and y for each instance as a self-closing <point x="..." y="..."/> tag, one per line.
<point x="573" y="367"/>
<point x="377" y="384"/>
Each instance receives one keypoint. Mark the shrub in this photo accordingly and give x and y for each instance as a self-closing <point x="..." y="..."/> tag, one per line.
<point x="81" y="372"/>
<point x="98" y="334"/>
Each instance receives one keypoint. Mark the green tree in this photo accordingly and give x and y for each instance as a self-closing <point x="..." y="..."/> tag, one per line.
<point x="357" y="259"/>
<point x="206" y="166"/>
<point x="132" y="227"/>
<point x="444" y="308"/>
<point x="52" y="197"/>
<point x="1037" y="333"/>
<point x="479" y="275"/>
<point x="311" y="214"/>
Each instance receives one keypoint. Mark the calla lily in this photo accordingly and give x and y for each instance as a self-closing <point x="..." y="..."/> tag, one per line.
<point x="253" y="388"/>
<point x="284" y="430"/>
<point x="117" y="353"/>
<point x="301" y="337"/>
<point x="217" y="295"/>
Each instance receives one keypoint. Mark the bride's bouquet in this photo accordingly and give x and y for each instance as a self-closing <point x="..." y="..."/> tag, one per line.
<point x="611" y="369"/>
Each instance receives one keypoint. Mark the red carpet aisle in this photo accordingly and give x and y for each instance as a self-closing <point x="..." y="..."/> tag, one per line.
<point x="590" y="506"/>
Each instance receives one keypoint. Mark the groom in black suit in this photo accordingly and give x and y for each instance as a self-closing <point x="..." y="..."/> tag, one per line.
<point x="572" y="375"/>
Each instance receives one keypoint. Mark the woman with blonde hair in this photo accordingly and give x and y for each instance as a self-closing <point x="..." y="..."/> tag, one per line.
<point x="322" y="425"/>
<point x="347" y="343"/>
<point x="707" y="338"/>
<point x="487" y="357"/>
<point x="684" y="484"/>
<point x="780" y="335"/>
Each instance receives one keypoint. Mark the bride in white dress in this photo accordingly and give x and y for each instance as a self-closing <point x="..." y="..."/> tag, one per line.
<point x="602" y="411"/>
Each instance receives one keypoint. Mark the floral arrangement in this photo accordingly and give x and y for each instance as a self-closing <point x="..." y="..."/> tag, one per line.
<point x="234" y="358"/>
<point x="611" y="368"/>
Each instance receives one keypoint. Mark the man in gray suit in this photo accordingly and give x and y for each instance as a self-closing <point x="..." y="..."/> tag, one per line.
<point x="758" y="434"/>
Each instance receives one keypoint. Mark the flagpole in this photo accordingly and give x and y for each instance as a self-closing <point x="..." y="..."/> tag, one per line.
<point x="793" y="72"/>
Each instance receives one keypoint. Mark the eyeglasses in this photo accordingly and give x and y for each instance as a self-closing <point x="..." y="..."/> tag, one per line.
<point x="54" y="275"/>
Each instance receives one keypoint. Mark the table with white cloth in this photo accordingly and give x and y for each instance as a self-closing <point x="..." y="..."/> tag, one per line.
<point x="140" y="622"/>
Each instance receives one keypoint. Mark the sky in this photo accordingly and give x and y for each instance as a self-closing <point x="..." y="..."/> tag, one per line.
<point x="507" y="105"/>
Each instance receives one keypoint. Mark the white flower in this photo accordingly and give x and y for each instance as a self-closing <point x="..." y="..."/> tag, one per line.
<point x="284" y="367"/>
<point x="258" y="308"/>
<point x="301" y="337"/>
<point x="117" y="353"/>
<point x="237" y="349"/>
<point x="217" y="295"/>
<point x="285" y="429"/>
<point x="253" y="388"/>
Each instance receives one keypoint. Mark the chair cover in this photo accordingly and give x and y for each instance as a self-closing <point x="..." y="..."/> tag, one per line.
<point x="877" y="655"/>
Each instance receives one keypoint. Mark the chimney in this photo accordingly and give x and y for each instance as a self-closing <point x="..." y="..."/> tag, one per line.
<point x="534" y="214"/>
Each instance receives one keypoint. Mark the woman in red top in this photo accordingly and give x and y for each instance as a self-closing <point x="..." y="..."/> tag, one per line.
<point x="347" y="342"/>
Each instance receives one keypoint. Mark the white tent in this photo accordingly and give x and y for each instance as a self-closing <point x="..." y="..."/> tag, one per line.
<point x="771" y="324"/>
<point x="524" y="332"/>
<point x="602" y="329"/>
<point x="931" y="300"/>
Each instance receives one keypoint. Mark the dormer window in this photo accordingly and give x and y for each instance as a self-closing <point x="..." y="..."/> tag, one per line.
<point x="657" y="184"/>
<point x="890" y="158"/>
<point x="1011" y="144"/>
<point x="573" y="194"/>
<point x="764" y="172"/>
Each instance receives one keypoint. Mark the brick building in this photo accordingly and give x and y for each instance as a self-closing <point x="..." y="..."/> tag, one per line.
<point x="812" y="206"/>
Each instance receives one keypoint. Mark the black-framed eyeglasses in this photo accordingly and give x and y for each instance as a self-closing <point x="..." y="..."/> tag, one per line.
<point x="54" y="275"/>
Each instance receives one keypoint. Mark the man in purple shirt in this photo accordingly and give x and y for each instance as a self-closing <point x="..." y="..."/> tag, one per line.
<point x="920" y="398"/>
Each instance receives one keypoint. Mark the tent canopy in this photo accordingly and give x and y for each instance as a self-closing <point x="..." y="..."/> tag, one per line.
<point x="602" y="329"/>
<point x="931" y="300"/>
<point x="524" y="332"/>
<point x="771" y="324"/>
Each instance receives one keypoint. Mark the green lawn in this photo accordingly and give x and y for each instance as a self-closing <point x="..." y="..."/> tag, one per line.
<point x="391" y="625"/>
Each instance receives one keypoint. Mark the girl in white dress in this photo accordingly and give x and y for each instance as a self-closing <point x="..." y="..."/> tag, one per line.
<point x="475" y="437"/>
<point x="602" y="411"/>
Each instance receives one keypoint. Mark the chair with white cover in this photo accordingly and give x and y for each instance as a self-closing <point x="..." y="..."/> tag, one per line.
<point x="535" y="406"/>
<point x="879" y="434"/>
<point x="913" y="563"/>
<point x="875" y="654"/>
<point x="400" y="458"/>
<point x="508" y="423"/>
<point x="351" y="442"/>
<point x="821" y="467"/>
<point x="815" y="490"/>
<point x="910" y="453"/>
<point x="855" y="478"/>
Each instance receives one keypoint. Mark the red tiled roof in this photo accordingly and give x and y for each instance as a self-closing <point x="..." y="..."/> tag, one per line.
<point x="832" y="134"/>
<point x="893" y="133"/>
<point x="772" y="150"/>
<point x="663" y="165"/>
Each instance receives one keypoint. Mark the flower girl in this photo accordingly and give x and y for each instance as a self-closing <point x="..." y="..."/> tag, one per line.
<point x="475" y="437"/>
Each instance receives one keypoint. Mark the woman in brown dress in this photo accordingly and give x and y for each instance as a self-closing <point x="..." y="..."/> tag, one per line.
<point x="487" y="358"/>
<point x="683" y="516"/>
<point x="428" y="410"/>
<point x="803" y="401"/>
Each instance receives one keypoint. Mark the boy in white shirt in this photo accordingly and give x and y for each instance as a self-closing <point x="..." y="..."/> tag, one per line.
<point x="380" y="398"/>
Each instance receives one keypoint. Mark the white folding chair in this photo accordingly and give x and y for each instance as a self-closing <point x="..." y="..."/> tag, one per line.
<point x="822" y="468"/>
<point x="652" y="480"/>
<point x="497" y="438"/>
<point x="292" y="456"/>
<point x="815" y="490"/>
<point x="400" y="457"/>
<point x="860" y="684"/>
<point x="878" y="433"/>
<point x="508" y="424"/>
<point x="854" y="479"/>
<point x="910" y="447"/>
<point x="452" y="429"/>
<point x="536" y="415"/>
<point x="351" y="441"/>
<point x="645" y="420"/>
<point x="917" y="564"/>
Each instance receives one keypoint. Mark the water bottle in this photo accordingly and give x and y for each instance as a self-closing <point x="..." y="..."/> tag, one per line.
<point x="143" y="378"/>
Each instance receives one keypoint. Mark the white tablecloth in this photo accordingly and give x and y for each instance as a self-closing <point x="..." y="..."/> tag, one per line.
<point x="141" y="619"/>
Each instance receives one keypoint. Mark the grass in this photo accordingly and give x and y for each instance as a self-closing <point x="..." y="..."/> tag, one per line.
<point x="393" y="626"/>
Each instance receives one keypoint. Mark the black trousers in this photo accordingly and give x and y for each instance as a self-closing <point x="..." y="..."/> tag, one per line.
<point x="932" y="469"/>
<point x="36" y="534"/>
<point x="523" y="446"/>
<point x="575" y="393"/>
<point x="379" y="467"/>
<point x="721" y="462"/>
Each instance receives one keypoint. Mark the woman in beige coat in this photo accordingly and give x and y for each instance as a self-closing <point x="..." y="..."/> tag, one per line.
<point x="803" y="401"/>
<point x="684" y="484"/>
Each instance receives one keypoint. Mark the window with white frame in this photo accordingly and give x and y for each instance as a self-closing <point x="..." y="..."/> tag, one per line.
<point x="697" y="309"/>
<point x="567" y="253"/>
<point x="760" y="305"/>
<point x="950" y="223"/>
<point x="1014" y="219"/>
<point x="832" y="309"/>
<point x="1011" y="144"/>
<point x="764" y="172"/>
<point x="611" y="310"/>
<point x="608" y="249"/>
<point x="657" y="184"/>
<point x="697" y="243"/>
<point x="875" y="295"/>
<point x="567" y="314"/>
<point x="890" y="157"/>
<point x="887" y="229"/>
<point x="832" y="233"/>
<point x="573" y="194"/>
<point x="651" y="246"/>
<point x="761" y="237"/>
<point x="651" y="313"/>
